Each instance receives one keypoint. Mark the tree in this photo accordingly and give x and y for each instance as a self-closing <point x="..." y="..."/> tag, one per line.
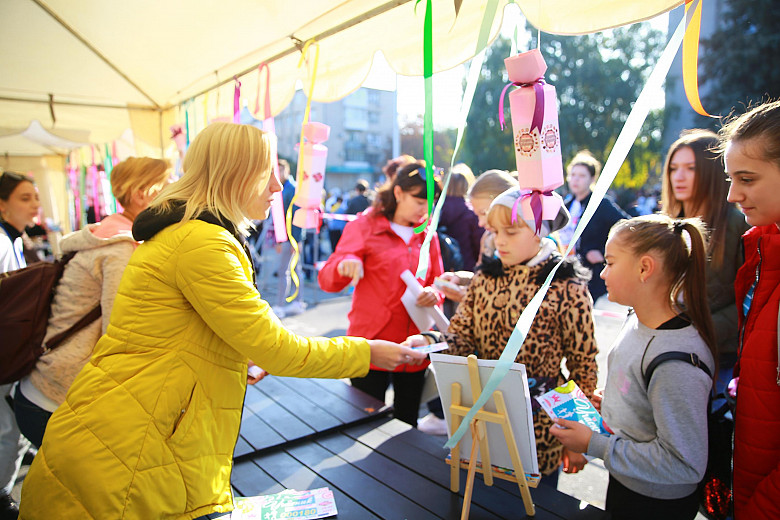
<point x="737" y="61"/>
<point x="484" y="145"/>
<point x="597" y="78"/>
<point x="412" y="142"/>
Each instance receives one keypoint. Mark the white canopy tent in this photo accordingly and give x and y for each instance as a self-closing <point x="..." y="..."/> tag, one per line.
<point x="94" y="68"/>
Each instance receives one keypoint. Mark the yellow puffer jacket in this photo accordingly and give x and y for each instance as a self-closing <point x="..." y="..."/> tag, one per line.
<point x="148" y="428"/>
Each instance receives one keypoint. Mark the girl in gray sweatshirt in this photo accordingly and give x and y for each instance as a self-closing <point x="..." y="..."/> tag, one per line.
<point x="657" y="453"/>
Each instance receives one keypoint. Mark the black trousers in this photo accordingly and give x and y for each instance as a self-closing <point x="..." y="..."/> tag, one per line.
<point x="406" y="385"/>
<point x="625" y="504"/>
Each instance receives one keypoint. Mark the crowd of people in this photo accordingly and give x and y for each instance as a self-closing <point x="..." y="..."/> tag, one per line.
<point x="136" y="415"/>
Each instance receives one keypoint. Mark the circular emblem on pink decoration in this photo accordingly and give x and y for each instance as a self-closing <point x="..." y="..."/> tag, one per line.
<point x="550" y="139"/>
<point x="526" y="143"/>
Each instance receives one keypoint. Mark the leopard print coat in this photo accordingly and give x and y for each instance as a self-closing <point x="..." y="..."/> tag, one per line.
<point x="562" y="329"/>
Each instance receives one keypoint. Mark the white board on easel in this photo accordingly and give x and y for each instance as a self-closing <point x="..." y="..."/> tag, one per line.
<point x="454" y="369"/>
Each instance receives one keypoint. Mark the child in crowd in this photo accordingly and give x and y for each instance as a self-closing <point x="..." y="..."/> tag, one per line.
<point x="658" y="452"/>
<point x="752" y="152"/>
<point x="563" y="327"/>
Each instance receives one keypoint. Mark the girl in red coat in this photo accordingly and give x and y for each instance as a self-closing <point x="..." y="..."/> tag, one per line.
<point x="751" y="145"/>
<point x="373" y="252"/>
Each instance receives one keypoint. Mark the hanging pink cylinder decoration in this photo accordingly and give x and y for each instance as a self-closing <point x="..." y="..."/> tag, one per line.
<point x="536" y="134"/>
<point x="311" y="176"/>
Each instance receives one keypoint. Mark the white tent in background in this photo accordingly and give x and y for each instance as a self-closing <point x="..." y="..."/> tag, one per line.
<point x="102" y="67"/>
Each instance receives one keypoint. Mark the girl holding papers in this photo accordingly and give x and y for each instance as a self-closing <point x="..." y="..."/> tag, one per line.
<point x="373" y="252"/>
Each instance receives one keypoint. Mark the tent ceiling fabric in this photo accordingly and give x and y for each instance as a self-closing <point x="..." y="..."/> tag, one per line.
<point x="151" y="55"/>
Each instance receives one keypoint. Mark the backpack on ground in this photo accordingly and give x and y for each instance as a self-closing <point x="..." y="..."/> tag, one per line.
<point x="25" y="305"/>
<point x="715" y="499"/>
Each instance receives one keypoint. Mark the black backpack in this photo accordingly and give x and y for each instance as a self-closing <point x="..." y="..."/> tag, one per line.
<point x="715" y="498"/>
<point x="451" y="256"/>
<point x="25" y="305"/>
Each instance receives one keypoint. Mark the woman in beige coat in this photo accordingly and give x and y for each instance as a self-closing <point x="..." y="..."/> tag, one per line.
<point x="90" y="278"/>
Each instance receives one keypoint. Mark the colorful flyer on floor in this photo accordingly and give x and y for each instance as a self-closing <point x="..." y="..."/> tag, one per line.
<point x="569" y="402"/>
<point x="301" y="505"/>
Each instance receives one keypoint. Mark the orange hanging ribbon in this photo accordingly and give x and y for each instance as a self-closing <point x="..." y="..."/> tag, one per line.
<point x="690" y="56"/>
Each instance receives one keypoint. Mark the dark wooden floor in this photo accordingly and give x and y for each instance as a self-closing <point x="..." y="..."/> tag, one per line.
<point x="305" y="433"/>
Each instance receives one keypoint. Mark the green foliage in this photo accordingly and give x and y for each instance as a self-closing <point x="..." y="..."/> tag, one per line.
<point x="737" y="61"/>
<point x="597" y="78"/>
<point x="443" y="142"/>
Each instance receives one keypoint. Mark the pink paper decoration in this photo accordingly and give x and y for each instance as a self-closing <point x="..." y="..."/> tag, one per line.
<point x="535" y="130"/>
<point x="311" y="176"/>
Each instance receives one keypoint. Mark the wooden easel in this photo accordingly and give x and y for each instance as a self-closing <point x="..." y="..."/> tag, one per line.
<point x="480" y="441"/>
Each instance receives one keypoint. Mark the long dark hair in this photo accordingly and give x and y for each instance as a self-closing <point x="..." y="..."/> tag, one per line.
<point x="685" y="269"/>
<point x="412" y="179"/>
<point x="710" y="188"/>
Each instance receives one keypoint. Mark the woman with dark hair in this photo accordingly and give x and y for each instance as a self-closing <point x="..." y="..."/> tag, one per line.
<point x="695" y="185"/>
<point x="373" y="252"/>
<point x="19" y="205"/>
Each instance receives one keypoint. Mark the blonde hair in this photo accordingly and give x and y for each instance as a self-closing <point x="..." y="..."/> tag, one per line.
<point x="501" y="216"/>
<point x="137" y="174"/>
<point x="223" y="168"/>
<point x="491" y="184"/>
<point x="461" y="178"/>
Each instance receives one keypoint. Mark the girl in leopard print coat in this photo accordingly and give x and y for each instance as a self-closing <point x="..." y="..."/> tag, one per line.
<point x="562" y="329"/>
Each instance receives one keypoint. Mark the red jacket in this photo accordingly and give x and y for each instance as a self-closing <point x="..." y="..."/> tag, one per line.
<point x="757" y="421"/>
<point x="377" y="311"/>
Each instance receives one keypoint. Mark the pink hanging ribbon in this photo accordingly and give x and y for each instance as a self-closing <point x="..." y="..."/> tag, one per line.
<point x="267" y="103"/>
<point x="236" y="102"/>
<point x="536" y="206"/>
<point x="538" y="117"/>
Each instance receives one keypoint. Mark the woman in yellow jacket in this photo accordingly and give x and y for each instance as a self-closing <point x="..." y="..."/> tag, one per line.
<point x="148" y="428"/>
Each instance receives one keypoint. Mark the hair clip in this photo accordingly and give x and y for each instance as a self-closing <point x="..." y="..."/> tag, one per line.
<point x="678" y="226"/>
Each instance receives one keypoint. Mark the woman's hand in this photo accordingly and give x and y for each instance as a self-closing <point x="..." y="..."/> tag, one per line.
<point x="388" y="355"/>
<point x="573" y="435"/>
<point x="598" y="395"/>
<point x="573" y="462"/>
<point x="351" y="268"/>
<point x="254" y="375"/>
<point x="427" y="298"/>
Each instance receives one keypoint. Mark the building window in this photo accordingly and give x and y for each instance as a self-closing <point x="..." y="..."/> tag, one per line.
<point x="356" y="154"/>
<point x="373" y="98"/>
<point x="373" y="117"/>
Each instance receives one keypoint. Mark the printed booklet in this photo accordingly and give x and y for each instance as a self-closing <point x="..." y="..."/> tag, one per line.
<point x="569" y="402"/>
<point x="310" y="504"/>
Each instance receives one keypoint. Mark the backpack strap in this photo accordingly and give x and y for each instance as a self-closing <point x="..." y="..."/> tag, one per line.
<point x="689" y="357"/>
<point x="55" y="341"/>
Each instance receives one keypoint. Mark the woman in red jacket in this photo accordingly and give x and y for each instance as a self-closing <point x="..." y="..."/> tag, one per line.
<point x="751" y="144"/>
<point x="373" y="252"/>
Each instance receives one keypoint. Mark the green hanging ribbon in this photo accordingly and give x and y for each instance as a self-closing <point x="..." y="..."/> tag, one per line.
<point x="428" y="120"/>
<point x="468" y="96"/>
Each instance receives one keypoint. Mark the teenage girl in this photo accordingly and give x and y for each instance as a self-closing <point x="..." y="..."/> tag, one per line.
<point x="658" y="452"/>
<point x="372" y="253"/>
<point x="695" y="185"/>
<point x="752" y="152"/>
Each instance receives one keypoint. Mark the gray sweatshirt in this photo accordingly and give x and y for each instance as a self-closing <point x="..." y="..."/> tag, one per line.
<point x="659" y="448"/>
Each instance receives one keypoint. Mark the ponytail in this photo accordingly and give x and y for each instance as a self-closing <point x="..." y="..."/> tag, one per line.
<point x="693" y="284"/>
<point x="683" y="262"/>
